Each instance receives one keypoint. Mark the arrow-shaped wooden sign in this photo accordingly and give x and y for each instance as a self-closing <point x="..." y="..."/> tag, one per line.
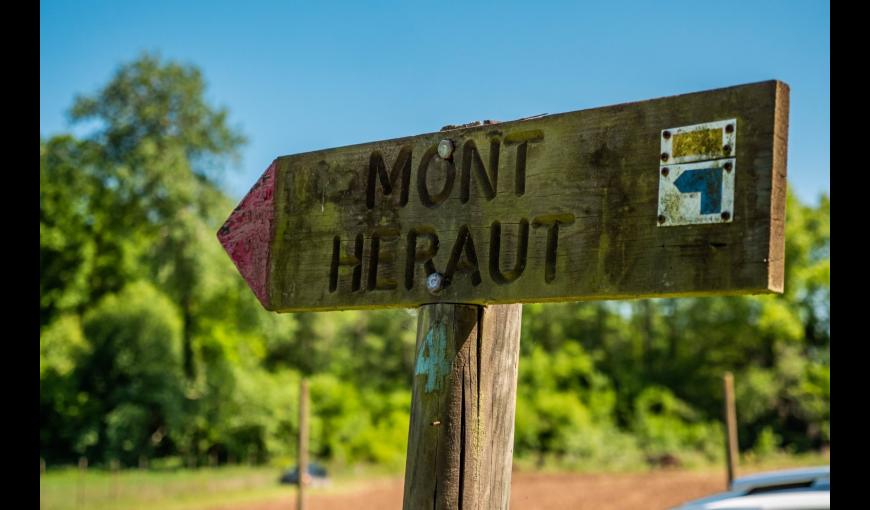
<point x="677" y="196"/>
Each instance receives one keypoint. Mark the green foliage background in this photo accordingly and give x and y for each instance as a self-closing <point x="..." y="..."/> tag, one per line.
<point x="152" y="347"/>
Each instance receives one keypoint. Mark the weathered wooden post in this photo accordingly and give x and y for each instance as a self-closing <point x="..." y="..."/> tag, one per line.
<point x="460" y="442"/>
<point x="115" y="467"/>
<point x="731" y="426"/>
<point x="81" y="483"/>
<point x="678" y="196"/>
<point x="302" y="453"/>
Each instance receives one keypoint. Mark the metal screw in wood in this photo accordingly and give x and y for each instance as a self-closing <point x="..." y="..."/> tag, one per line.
<point x="445" y="148"/>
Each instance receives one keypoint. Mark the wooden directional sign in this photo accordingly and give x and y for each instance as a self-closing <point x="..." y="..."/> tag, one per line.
<point x="677" y="196"/>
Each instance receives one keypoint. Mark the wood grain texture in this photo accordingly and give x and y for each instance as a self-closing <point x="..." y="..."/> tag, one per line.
<point x="556" y="208"/>
<point x="460" y="442"/>
<point x="778" y="193"/>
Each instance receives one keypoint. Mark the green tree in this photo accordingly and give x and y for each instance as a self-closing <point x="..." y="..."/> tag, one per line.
<point x="162" y="147"/>
<point x="138" y="199"/>
<point x="81" y="256"/>
<point x="129" y="377"/>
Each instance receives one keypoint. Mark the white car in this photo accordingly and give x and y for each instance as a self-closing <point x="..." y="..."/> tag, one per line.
<point x="792" y="489"/>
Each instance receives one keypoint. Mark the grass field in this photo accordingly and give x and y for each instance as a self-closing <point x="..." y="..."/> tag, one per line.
<point x="256" y="488"/>
<point x="187" y="489"/>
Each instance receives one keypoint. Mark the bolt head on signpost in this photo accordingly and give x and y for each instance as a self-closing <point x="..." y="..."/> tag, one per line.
<point x="445" y="149"/>
<point x="435" y="282"/>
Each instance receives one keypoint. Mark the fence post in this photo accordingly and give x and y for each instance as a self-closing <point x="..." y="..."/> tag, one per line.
<point x="731" y="425"/>
<point x="302" y="453"/>
<point x="80" y="491"/>
<point x="115" y="467"/>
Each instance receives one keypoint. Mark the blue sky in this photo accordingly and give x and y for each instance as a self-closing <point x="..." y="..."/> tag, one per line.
<point x="299" y="77"/>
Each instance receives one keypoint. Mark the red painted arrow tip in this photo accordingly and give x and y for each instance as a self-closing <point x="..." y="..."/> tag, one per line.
<point x="247" y="234"/>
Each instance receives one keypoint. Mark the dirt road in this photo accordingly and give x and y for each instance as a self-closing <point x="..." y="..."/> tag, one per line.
<point x="655" y="490"/>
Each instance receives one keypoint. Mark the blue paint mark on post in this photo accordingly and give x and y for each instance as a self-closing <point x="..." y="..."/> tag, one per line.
<point x="432" y="358"/>
<point x="708" y="182"/>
